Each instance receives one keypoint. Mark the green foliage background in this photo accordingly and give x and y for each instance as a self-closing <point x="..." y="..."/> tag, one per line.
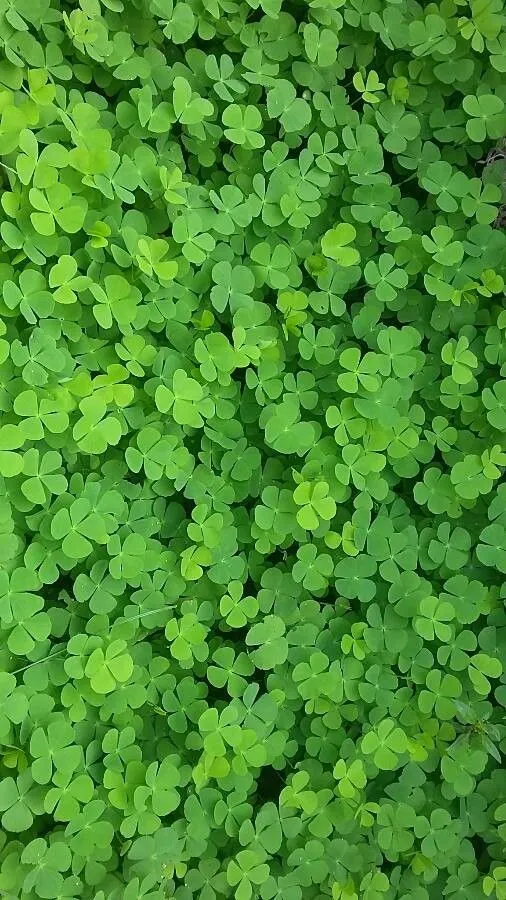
<point x="252" y="450"/>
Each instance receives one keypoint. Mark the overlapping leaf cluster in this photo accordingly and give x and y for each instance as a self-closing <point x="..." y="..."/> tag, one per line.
<point x="252" y="449"/>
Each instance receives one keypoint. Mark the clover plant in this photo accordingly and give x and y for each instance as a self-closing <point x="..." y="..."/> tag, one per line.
<point x="252" y="449"/>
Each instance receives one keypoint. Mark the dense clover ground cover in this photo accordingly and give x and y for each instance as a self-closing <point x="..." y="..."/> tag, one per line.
<point x="252" y="450"/>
